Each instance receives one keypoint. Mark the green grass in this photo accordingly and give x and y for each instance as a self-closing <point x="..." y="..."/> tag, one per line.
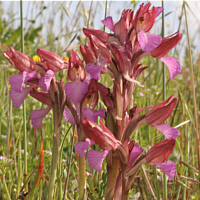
<point x="185" y="185"/>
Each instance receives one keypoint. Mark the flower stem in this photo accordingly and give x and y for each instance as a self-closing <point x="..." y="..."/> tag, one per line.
<point x="55" y="152"/>
<point x="193" y="88"/>
<point x="82" y="171"/>
<point x="164" y="97"/>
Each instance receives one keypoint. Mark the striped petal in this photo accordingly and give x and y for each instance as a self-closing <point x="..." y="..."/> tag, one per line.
<point x="149" y="41"/>
<point x="108" y="22"/>
<point x="169" y="168"/>
<point x="38" y="115"/>
<point x="95" y="158"/>
<point x="173" y="65"/>
<point x="76" y="90"/>
<point x="168" y="131"/>
<point x="45" y="80"/>
<point x="18" y="97"/>
<point x="93" y="114"/>
<point x="82" y="147"/>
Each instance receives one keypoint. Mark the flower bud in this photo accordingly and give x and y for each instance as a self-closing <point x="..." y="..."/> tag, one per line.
<point x="161" y="151"/>
<point x="19" y="60"/>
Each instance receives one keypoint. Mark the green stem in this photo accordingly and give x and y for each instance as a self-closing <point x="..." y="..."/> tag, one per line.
<point x="24" y="105"/>
<point x="193" y="89"/>
<point x="82" y="171"/>
<point x="60" y="165"/>
<point x="5" y="185"/>
<point x="164" y="97"/>
<point x="70" y="160"/>
<point x="55" y="152"/>
<point x="19" y="167"/>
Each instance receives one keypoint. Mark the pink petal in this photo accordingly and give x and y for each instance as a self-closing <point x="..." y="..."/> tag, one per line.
<point x="76" y="90"/>
<point x="88" y="77"/>
<point x="173" y="65"/>
<point x="82" y="147"/>
<point x="159" y="10"/>
<point x="68" y="117"/>
<point x="29" y="76"/>
<point x="169" y="168"/>
<point x="168" y="131"/>
<point x="93" y="114"/>
<point x="136" y="151"/>
<point x="95" y="158"/>
<point x="38" y="115"/>
<point x="45" y="80"/>
<point x="95" y="70"/>
<point x="108" y="22"/>
<point x="17" y="82"/>
<point x="18" y="97"/>
<point x="149" y="41"/>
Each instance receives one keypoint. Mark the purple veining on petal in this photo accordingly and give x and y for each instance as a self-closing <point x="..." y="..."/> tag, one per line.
<point x="68" y="117"/>
<point x="18" y="97"/>
<point x="45" y="80"/>
<point x="93" y="114"/>
<point x="108" y="22"/>
<point x="159" y="10"/>
<point x="173" y="65"/>
<point x="38" y="115"/>
<point x="95" y="158"/>
<point x="149" y="41"/>
<point x="168" y="167"/>
<point x="82" y="147"/>
<point x="168" y="131"/>
<point x="95" y="70"/>
<point x="136" y="151"/>
<point x="76" y="90"/>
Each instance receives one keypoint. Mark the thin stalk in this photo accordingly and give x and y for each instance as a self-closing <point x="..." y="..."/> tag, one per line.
<point x="164" y="97"/>
<point x="70" y="160"/>
<point x="5" y="185"/>
<point x="106" y="5"/>
<point x="193" y="89"/>
<point x="82" y="171"/>
<point x="19" y="167"/>
<point x="55" y="152"/>
<point x="24" y="105"/>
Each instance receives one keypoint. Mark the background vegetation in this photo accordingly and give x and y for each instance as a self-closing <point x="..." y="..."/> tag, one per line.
<point x="57" y="27"/>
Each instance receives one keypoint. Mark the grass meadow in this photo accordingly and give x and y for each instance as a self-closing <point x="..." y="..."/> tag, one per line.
<point x="57" y="27"/>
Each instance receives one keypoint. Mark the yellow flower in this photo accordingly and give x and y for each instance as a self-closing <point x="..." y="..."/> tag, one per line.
<point x="65" y="58"/>
<point x="36" y="58"/>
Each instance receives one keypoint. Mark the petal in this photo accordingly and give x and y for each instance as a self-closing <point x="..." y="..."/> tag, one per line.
<point x="94" y="70"/>
<point x="149" y="41"/>
<point x="76" y="90"/>
<point x="93" y="114"/>
<point x="95" y="158"/>
<point x="173" y="65"/>
<point x="45" y="80"/>
<point x="136" y="151"/>
<point x="169" y="168"/>
<point x="68" y="117"/>
<point x="29" y="76"/>
<point x="159" y="10"/>
<point x="82" y="147"/>
<point x="38" y="115"/>
<point x="18" y="97"/>
<point x="108" y="22"/>
<point x="168" y="131"/>
<point x="17" y="81"/>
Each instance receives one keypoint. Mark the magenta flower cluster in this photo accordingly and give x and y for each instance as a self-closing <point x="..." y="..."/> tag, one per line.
<point x="118" y="54"/>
